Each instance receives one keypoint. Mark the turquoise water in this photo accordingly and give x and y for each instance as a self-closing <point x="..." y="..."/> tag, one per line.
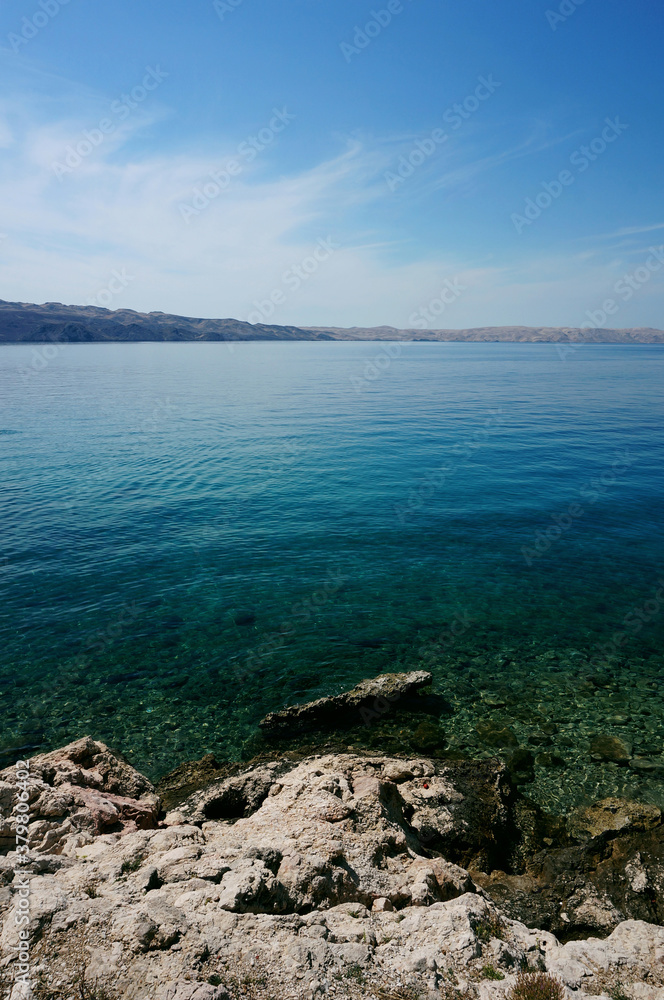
<point x="196" y="534"/>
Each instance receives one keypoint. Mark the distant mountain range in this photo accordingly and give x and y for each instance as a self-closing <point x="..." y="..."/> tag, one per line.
<point x="24" y="323"/>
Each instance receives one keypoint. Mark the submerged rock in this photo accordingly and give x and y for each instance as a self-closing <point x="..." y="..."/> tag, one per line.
<point x="188" y="777"/>
<point x="496" y="735"/>
<point x="521" y="765"/>
<point x="363" y="704"/>
<point x="549" y="760"/>
<point x="245" y="618"/>
<point x="428" y="737"/>
<point x="609" y="748"/>
<point x="611" y="816"/>
<point x="653" y="766"/>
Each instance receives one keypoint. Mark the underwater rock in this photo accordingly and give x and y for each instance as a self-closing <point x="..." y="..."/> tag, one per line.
<point x="521" y="766"/>
<point x="648" y="765"/>
<point x="611" y="816"/>
<point x="363" y="704"/>
<point x="609" y="748"/>
<point x="493" y="700"/>
<point x="244" y="618"/>
<point x="428" y="737"/>
<point x="188" y="777"/>
<point x="549" y="760"/>
<point x="496" y="735"/>
<point x="540" y="740"/>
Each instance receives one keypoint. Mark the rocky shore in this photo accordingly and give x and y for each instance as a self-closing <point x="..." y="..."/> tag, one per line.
<point x="339" y="874"/>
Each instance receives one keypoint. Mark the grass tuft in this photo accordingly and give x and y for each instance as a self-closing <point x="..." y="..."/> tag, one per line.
<point x="536" y="986"/>
<point x="490" y="972"/>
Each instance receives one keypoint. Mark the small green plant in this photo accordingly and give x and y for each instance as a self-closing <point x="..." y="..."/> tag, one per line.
<point x="355" y="973"/>
<point x="90" y="890"/>
<point x="536" y="986"/>
<point x="131" y="864"/>
<point x="489" y="972"/>
<point x="254" y="980"/>
<point x="490" y="927"/>
<point x="214" y="979"/>
<point x="617" y="992"/>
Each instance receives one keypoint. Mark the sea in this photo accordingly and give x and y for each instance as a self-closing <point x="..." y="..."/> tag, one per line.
<point x="197" y="534"/>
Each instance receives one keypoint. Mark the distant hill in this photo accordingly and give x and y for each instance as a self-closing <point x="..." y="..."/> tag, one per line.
<point x="24" y="323"/>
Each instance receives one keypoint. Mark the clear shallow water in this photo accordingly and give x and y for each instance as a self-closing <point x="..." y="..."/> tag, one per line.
<point x="193" y="536"/>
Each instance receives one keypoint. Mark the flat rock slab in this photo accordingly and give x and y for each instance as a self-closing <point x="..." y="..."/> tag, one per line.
<point x="359" y="706"/>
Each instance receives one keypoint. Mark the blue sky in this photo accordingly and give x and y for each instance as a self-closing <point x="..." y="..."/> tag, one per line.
<point x="334" y="125"/>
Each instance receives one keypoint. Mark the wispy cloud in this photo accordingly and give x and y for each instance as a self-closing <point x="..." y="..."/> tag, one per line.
<point x="628" y="231"/>
<point x="120" y="209"/>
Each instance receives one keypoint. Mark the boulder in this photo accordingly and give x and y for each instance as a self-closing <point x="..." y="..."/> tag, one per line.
<point x="605" y="867"/>
<point x="612" y="815"/>
<point x="74" y="794"/>
<point x="360" y="706"/>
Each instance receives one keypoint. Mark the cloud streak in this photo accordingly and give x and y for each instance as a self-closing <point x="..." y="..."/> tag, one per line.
<point x="119" y="208"/>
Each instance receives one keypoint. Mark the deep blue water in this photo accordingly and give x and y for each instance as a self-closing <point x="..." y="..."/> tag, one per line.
<point x="196" y="534"/>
